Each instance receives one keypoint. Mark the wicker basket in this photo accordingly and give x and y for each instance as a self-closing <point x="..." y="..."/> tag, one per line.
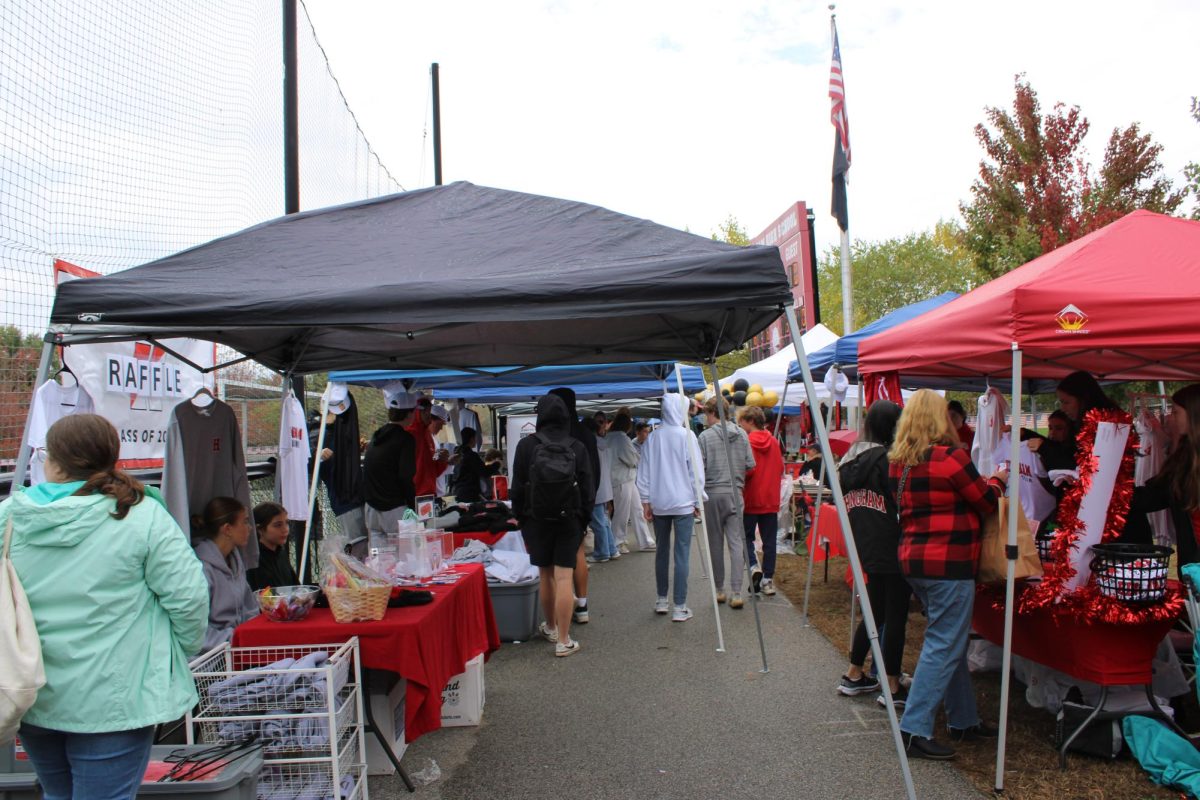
<point x="358" y="605"/>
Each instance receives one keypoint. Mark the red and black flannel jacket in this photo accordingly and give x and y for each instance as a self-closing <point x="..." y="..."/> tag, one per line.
<point x="940" y="513"/>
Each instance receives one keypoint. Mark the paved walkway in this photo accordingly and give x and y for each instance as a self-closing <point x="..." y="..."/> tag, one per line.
<point x="648" y="708"/>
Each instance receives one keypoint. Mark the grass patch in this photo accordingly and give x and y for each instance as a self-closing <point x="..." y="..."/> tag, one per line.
<point x="1032" y="771"/>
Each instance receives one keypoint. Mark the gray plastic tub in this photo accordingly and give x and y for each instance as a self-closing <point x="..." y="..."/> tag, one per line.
<point x="516" y="609"/>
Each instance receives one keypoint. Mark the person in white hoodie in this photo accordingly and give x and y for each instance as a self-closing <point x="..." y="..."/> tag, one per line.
<point x="667" y="484"/>
<point x="627" y="510"/>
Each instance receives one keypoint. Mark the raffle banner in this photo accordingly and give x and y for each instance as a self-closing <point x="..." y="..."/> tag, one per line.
<point x="517" y="429"/>
<point x="136" y="386"/>
<point x="1107" y="453"/>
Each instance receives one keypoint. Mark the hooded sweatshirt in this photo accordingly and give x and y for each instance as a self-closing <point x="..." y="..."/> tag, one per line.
<point x="553" y="423"/>
<point x="578" y="432"/>
<point x="231" y="602"/>
<point x="716" y="462"/>
<point x="762" y="485"/>
<point x="670" y="459"/>
<point x="119" y="606"/>
<point x="389" y="467"/>
<point x="871" y="505"/>
<point x="623" y="457"/>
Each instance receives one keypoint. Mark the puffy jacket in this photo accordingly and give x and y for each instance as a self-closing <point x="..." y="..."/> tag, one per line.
<point x="762" y="485"/>
<point x="119" y="606"/>
<point x="871" y="506"/>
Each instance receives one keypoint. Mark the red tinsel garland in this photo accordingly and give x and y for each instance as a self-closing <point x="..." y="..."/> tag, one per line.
<point x="1058" y="570"/>
<point x="1089" y="606"/>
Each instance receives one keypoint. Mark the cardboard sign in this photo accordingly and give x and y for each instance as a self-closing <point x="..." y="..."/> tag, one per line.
<point x="1093" y="511"/>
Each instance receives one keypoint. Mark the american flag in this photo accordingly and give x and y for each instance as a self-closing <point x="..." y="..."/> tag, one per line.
<point x="837" y="96"/>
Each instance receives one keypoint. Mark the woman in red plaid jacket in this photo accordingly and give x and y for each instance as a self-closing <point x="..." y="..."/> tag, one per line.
<point x="941" y="499"/>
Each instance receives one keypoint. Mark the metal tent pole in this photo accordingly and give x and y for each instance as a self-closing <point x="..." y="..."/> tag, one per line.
<point x="860" y="586"/>
<point x="312" y="487"/>
<point x="1014" y="497"/>
<point x="815" y="516"/>
<point x="782" y="403"/>
<point x="699" y="490"/>
<point x="723" y="417"/>
<point x="22" y="467"/>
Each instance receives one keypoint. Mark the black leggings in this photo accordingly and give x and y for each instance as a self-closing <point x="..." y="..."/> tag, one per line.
<point x="889" y="595"/>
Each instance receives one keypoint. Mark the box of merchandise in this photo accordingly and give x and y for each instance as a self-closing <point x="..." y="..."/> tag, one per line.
<point x="464" y="696"/>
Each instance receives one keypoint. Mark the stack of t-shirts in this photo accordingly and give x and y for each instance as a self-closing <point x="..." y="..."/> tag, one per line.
<point x="488" y="515"/>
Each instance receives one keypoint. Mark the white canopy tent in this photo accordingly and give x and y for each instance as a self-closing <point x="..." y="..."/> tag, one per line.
<point x="772" y="372"/>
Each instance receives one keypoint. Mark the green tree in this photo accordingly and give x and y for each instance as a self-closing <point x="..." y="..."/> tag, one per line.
<point x="896" y="272"/>
<point x="1036" y="190"/>
<point x="1192" y="170"/>
<point x="731" y="232"/>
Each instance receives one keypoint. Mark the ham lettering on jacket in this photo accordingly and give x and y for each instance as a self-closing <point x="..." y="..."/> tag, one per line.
<point x="865" y="498"/>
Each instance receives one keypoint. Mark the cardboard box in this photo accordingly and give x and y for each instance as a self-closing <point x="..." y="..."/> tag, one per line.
<point x="464" y="696"/>
<point x="386" y="694"/>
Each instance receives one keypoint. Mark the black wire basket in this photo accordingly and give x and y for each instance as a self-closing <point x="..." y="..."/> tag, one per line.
<point x="1131" y="573"/>
<point x="1044" y="538"/>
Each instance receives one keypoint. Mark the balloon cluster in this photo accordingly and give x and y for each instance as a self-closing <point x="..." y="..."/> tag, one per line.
<point x="742" y="393"/>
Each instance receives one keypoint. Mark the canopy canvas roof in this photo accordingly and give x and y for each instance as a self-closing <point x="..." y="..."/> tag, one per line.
<point x="772" y="372"/>
<point x="1119" y="303"/>
<point x="450" y="276"/>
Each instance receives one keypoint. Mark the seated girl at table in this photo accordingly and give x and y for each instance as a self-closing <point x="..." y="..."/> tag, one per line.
<point x="1176" y="487"/>
<point x="274" y="563"/>
<point x="224" y="528"/>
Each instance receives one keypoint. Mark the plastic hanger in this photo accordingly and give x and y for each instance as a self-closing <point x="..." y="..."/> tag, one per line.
<point x="203" y="398"/>
<point x="62" y="371"/>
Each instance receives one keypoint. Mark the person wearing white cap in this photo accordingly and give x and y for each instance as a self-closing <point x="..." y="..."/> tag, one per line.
<point x="390" y="465"/>
<point x="431" y="462"/>
<point x="340" y="460"/>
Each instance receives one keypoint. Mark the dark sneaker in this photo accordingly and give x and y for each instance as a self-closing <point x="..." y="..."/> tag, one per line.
<point x="756" y="578"/>
<point x="861" y="686"/>
<point x="900" y="698"/>
<point x="920" y="747"/>
<point x="580" y="617"/>
<point x="984" y="730"/>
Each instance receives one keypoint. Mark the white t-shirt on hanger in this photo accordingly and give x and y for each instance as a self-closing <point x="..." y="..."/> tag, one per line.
<point x="292" y="468"/>
<point x="51" y="402"/>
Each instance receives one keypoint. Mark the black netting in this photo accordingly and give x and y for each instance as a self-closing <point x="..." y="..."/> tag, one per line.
<point x="131" y="130"/>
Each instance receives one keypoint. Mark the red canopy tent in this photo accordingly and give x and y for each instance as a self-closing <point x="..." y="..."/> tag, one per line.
<point x="1120" y="302"/>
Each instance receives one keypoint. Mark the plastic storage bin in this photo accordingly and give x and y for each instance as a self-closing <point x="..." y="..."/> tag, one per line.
<point x="21" y="786"/>
<point x="238" y="781"/>
<point x="516" y="609"/>
<point x="13" y="759"/>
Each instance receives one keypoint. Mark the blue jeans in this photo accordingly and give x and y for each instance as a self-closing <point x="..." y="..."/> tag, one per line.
<point x="604" y="547"/>
<point x="942" y="672"/>
<point x="683" y="525"/>
<point x="88" y="766"/>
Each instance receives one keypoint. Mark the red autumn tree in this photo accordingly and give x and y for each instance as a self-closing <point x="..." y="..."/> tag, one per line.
<point x="1036" y="190"/>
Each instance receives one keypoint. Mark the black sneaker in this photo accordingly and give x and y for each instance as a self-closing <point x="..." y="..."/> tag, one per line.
<point x="580" y="615"/>
<point x="756" y="578"/>
<point x="984" y="730"/>
<point x="863" y="685"/>
<point x="899" y="697"/>
<point x="920" y="747"/>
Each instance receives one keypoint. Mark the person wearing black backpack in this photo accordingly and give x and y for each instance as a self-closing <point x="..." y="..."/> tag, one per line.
<point x="553" y="490"/>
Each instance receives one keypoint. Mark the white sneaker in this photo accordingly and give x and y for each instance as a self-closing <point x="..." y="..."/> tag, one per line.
<point x="548" y="633"/>
<point x="768" y="586"/>
<point x="662" y="606"/>
<point x="569" y="649"/>
<point x="682" y="614"/>
<point x="623" y="548"/>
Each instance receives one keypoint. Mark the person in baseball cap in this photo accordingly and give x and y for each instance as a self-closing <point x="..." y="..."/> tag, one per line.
<point x="431" y="461"/>
<point x="390" y="464"/>
<point x="339" y="398"/>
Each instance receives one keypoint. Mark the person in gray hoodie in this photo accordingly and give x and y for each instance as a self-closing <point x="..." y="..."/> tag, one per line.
<point x="222" y="529"/>
<point x="626" y="508"/>
<point x="723" y="509"/>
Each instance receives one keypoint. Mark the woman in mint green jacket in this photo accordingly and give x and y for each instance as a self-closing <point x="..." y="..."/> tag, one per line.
<point x="120" y="603"/>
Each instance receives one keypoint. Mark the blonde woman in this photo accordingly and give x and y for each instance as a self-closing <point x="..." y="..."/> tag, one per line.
<point x="941" y="499"/>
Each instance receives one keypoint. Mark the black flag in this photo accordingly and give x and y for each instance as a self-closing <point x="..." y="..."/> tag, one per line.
<point x="840" y="167"/>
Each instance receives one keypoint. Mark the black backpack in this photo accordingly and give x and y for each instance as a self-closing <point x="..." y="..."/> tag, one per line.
<point x="553" y="490"/>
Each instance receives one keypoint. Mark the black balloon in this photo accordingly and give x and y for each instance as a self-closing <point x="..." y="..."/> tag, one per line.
<point x="739" y="398"/>
<point x="741" y="385"/>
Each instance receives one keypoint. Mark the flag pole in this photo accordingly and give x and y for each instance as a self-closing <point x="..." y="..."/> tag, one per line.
<point x="841" y="166"/>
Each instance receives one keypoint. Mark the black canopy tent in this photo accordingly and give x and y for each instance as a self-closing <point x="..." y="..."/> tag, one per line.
<point x="451" y="276"/>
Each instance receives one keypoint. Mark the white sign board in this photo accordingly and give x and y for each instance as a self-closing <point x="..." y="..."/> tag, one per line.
<point x="1093" y="510"/>
<point x="517" y="429"/>
<point x="136" y="385"/>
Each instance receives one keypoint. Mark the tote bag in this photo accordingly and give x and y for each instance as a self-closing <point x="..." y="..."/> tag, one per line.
<point x="21" y="670"/>
<point x="993" y="566"/>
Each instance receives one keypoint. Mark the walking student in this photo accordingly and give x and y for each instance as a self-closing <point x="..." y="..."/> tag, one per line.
<point x="941" y="500"/>
<point x="604" y="549"/>
<point x="665" y="481"/>
<point x="627" y="510"/>
<point x="762" y="497"/>
<point x="552" y="495"/>
<point x="871" y="505"/>
<point x="588" y="439"/>
<point x="723" y="509"/>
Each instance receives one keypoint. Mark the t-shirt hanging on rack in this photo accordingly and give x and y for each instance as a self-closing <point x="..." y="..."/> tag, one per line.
<point x="291" y="470"/>
<point x="993" y="409"/>
<point x="1152" y="452"/>
<point x="51" y="402"/>
<point x="1037" y="503"/>
<point x="204" y="459"/>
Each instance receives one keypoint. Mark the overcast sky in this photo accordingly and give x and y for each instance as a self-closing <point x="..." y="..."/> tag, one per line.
<point x="686" y="112"/>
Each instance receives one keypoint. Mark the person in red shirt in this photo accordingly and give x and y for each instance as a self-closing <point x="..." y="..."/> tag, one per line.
<point x="941" y="499"/>
<point x="761" y="496"/>
<point x="431" y="461"/>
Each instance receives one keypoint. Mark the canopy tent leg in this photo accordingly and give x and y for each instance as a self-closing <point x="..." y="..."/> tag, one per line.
<point x="22" y="467"/>
<point x="1014" y="497"/>
<point x="782" y="403"/>
<point x="860" y="585"/>
<point x="723" y="416"/>
<point x="699" y="489"/>
<point x="816" y="515"/>
<point x="312" y="487"/>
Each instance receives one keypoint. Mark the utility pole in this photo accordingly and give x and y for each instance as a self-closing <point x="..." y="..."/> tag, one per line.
<point x="437" y="126"/>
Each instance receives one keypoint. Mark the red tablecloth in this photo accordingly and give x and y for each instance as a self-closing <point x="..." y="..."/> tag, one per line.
<point x="489" y="539"/>
<point x="426" y="645"/>
<point x="1110" y="655"/>
<point x="828" y="528"/>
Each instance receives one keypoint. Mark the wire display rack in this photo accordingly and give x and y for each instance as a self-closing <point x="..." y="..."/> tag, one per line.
<point x="304" y="703"/>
